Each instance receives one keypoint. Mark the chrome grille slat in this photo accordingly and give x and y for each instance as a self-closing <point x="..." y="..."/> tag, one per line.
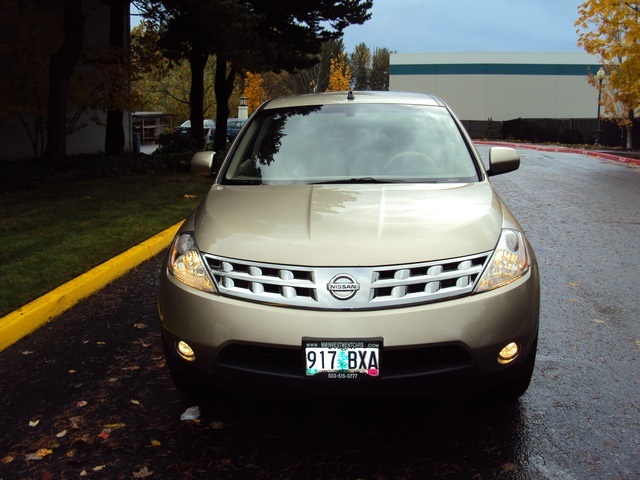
<point x="380" y="287"/>
<point x="429" y="278"/>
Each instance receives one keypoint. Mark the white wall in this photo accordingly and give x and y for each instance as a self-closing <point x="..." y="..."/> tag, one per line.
<point x="501" y="86"/>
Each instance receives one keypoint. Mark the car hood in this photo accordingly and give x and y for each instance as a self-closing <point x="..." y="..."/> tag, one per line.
<point x="353" y="225"/>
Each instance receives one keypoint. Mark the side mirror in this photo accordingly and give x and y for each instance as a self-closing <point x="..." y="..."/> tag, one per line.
<point x="502" y="160"/>
<point x="202" y="163"/>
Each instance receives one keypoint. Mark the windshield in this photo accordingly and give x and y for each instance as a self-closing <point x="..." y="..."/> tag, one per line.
<point x="351" y="143"/>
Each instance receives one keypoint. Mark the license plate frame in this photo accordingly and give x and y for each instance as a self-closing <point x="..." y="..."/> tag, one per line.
<point x="342" y="359"/>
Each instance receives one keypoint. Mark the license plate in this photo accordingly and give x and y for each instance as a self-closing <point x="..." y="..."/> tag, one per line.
<point x="342" y="359"/>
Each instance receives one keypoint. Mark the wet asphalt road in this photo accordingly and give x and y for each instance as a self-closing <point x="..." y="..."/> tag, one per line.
<point x="88" y="395"/>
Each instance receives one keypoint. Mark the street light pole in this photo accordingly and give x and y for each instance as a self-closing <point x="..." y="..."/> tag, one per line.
<point x="600" y="75"/>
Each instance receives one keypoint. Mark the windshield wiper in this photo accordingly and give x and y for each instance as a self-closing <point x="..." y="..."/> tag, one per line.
<point x="357" y="180"/>
<point x="240" y="181"/>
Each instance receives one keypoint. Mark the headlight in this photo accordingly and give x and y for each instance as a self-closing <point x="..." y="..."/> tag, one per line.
<point x="185" y="263"/>
<point x="508" y="262"/>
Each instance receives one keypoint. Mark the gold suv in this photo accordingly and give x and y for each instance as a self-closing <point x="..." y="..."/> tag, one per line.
<point x="352" y="243"/>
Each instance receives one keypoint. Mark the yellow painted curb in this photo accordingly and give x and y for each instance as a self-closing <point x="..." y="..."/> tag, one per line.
<point x="32" y="316"/>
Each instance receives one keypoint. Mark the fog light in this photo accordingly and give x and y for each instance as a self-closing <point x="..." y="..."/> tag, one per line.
<point x="185" y="351"/>
<point x="508" y="353"/>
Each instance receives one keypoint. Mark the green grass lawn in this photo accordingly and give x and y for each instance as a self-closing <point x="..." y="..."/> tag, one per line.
<point x="56" y="232"/>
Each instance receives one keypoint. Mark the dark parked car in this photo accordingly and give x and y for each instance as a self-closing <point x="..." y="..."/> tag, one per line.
<point x="234" y="126"/>
<point x="208" y="124"/>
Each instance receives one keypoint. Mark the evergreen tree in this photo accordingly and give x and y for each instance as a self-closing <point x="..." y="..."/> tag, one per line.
<point x="360" y="65"/>
<point x="250" y="35"/>
<point x="379" y="76"/>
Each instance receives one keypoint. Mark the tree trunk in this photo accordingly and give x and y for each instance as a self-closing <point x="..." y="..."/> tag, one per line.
<point x="61" y="67"/>
<point x="224" y="88"/>
<point x="197" y="61"/>
<point x="114" y="134"/>
<point x="630" y="130"/>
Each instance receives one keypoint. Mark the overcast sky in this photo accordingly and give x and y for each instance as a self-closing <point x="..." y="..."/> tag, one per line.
<point x="418" y="26"/>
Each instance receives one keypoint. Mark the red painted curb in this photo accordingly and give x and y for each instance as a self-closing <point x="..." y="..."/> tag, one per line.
<point x="547" y="148"/>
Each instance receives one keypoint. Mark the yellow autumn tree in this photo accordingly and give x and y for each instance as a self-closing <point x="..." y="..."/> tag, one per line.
<point x="610" y="29"/>
<point x="260" y="87"/>
<point x="254" y="90"/>
<point x="339" y="74"/>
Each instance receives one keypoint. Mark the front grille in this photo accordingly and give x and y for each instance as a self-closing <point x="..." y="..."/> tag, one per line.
<point x="265" y="283"/>
<point x="426" y="282"/>
<point x="378" y="287"/>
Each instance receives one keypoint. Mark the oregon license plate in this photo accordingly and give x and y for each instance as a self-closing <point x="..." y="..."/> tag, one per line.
<point x="342" y="359"/>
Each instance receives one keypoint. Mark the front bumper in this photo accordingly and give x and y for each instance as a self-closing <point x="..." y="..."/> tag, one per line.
<point x="448" y="346"/>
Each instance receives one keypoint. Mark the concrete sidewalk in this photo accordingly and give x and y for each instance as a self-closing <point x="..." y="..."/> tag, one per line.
<point x="25" y="320"/>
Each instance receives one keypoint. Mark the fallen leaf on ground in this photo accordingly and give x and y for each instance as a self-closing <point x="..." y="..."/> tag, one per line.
<point x="142" y="473"/>
<point x="61" y="434"/>
<point x="155" y="443"/>
<point x="74" y="422"/>
<point x="191" y="413"/>
<point x="40" y="454"/>
<point x="33" y="423"/>
<point x="82" y="403"/>
<point x="8" y="459"/>
<point x="115" y="426"/>
<point x="136" y="402"/>
<point x="140" y="325"/>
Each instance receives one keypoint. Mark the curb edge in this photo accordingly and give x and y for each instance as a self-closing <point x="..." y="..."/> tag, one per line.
<point x="37" y="313"/>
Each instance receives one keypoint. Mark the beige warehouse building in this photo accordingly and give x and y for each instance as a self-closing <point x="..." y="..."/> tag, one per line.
<point x="502" y="86"/>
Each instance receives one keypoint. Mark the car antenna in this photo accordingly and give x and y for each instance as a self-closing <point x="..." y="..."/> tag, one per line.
<point x="350" y="95"/>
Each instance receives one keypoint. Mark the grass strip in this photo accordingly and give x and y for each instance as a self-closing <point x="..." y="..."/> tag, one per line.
<point x="59" y="231"/>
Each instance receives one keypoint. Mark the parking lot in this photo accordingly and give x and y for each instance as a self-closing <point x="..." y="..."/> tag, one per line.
<point x="89" y="394"/>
